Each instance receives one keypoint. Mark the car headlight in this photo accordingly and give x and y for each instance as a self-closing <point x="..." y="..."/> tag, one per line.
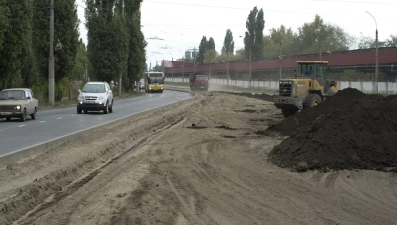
<point x="18" y="107"/>
<point x="81" y="97"/>
<point x="101" y="98"/>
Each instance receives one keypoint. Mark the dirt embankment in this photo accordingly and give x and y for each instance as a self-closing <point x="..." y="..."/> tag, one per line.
<point x="350" y="130"/>
<point x="202" y="161"/>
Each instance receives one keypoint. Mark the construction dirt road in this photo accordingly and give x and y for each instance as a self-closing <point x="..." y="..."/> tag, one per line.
<point x="218" y="159"/>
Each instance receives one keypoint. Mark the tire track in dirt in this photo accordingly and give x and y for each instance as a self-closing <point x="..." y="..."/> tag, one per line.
<point x="67" y="196"/>
<point x="87" y="159"/>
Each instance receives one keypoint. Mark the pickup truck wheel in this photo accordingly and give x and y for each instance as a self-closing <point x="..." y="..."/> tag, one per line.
<point x="312" y="100"/>
<point x="288" y="112"/>
<point x="23" y="116"/>
<point x="34" y="114"/>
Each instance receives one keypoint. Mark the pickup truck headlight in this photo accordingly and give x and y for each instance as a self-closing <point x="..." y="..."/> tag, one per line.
<point x="81" y="97"/>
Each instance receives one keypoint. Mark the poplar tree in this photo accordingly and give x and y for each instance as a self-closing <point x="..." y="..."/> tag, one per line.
<point x="15" y="40"/>
<point x="228" y="43"/>
<point x="253" y="39"/>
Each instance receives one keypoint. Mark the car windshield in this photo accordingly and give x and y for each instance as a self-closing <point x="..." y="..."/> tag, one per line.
<point x="94" y="88"/>
<point x="14" y="94"/>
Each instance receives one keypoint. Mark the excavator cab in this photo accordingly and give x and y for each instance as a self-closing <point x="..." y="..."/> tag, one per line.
<point x="312" y="69"/>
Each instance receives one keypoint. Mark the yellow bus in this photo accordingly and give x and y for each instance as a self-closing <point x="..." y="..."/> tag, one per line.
<point x="154" y="82"/>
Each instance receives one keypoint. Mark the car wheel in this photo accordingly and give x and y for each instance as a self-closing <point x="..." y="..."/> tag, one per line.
<point x="34" y="114"/>
<point x="111" y="107"/>
<point x="23" y="116"/>
<point x="106" y="110"/>
<point x="79" y="111"/>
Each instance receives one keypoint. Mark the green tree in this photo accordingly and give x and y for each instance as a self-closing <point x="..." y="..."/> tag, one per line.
<point x="253" y="39"/>
<point x="210" y="44"/>
<point x="157" y="68"/>
<point x="115" y="41"/>
<point x="391" y="41"/>
<point x="66" y="32"/>
<point x="318" y="36"/>
<point x="4" y="20"/>
<point x="40" y="40"/>
<point x="81" y="62"/>
<point x="15" y="39"/>
<point x="201" y="50"/>
<point x="136" y="55"/>
<point x="228" y="43"/>
<point x="280" y="40"/>
<point x="99" y="22"/>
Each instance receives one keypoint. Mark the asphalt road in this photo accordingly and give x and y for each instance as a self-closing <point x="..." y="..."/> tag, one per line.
<point x="16" y="136"/>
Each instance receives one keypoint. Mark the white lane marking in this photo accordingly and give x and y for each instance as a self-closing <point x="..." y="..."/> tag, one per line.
<point x="21" y="125"/>
<point x="59" y="118"/>
<point x="42" y="121"/>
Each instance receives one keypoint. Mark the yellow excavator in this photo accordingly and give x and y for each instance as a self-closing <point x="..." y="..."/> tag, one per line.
<point x="307" y="89"/>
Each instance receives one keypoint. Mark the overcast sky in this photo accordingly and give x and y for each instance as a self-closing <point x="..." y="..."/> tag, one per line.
<point x="181" y="24"/>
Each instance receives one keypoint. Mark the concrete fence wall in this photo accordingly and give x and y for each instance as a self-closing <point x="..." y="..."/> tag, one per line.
<point x="368" y="87"/>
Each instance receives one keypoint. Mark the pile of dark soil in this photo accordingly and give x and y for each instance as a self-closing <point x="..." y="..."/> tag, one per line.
<point x="350" y="130"/>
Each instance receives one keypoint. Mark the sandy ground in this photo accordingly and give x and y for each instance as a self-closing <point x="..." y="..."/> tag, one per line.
<point x="198" y="162"/>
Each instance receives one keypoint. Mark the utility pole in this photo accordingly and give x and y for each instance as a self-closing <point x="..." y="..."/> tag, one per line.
<point x="280" y="60"/>
<point x="51" y="76"/>
<point x="121" y="74"/>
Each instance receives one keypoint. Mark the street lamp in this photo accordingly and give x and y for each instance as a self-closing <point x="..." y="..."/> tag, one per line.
<point x="376" y="52"/>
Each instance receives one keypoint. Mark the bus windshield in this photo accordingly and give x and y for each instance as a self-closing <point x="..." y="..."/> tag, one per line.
<point x="155" y="78"/>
